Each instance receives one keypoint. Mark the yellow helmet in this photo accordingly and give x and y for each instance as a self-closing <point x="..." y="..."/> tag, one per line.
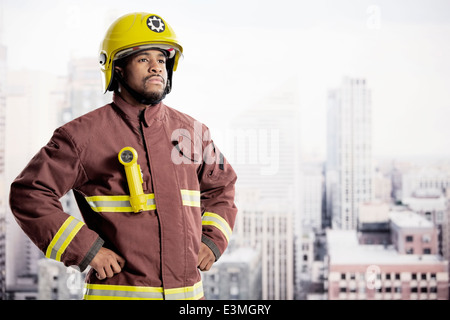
<point x="133" y="32"/>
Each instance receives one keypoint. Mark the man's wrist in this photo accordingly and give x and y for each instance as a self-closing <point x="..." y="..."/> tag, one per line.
<point x="98" y="244"/>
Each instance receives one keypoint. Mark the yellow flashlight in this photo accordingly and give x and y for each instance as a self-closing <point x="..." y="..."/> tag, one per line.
<point x="128" y="157"/>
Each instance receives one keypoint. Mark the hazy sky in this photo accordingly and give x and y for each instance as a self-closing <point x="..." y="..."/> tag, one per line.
<point x="236" y="53"/>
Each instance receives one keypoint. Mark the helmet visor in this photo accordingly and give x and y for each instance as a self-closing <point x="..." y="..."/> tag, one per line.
<point x="170" y="50"/>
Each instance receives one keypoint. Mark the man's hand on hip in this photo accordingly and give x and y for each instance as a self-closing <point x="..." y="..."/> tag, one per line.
<point x="107" y="263"/>
<point x="206" y="258"/>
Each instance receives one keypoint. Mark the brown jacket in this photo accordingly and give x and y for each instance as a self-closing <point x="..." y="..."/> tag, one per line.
<point x="188" y="184"/>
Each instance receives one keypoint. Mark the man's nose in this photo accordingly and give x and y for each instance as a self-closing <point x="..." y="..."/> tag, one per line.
<point x="155" y="67"/>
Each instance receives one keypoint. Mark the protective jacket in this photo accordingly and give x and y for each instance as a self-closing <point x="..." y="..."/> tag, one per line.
<point x="189" y="187"/>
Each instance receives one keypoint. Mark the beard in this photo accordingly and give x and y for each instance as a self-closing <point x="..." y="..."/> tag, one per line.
<point x="153" y="97"/>
<point x="142" y="95"/>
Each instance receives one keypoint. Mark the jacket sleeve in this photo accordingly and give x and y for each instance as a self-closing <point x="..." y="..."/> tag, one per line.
<point x="217" y="189"/>
<point x="34" y="201"/>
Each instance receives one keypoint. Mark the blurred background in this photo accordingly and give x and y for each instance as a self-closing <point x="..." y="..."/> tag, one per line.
<point x="335" y="115"/>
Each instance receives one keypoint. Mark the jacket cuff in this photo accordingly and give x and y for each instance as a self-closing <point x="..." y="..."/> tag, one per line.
<point x="212" y="246"/>
<point x="91" y="254"/>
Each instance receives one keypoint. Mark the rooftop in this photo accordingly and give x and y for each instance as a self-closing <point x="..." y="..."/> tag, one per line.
<point x="343" y="248"/>
<point x="239" y="255"/>
<point x="409" y="219"/>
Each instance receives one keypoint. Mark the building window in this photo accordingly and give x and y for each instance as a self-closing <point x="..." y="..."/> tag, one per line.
<point x="234" y="292"/>
<point x="397" y="276"/>
<point x="433" y="290"/>
<point x="409" y="238"/>
<point x="433" y="276"/>
<point x="410" y="251"/>
<point x="414" y="289"/>
<point x="342" y="276"/>
<point x="342" y="289"/>
<point x="426" y="251"/>
<point x="426" y="238"/>
<point x="388" y="276"/>
<point x="398" y="289"/>
<point x="423" y="276"/>
<point x="414" y="276"/>
<point x="423" y="289"/>
<point x="388" y="289"/>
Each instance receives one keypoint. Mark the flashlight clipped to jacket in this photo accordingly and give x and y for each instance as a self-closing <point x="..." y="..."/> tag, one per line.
<point x="128" y="157"/>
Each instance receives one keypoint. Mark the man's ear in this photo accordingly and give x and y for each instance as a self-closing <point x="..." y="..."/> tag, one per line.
<point x="119" y="70"/>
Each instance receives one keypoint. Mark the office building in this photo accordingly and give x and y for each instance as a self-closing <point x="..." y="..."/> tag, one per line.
<point x="349" y="151"/>
<point x="235" y="276"/>
<point x="406" y="268"/>
<point x="32" y="100"/>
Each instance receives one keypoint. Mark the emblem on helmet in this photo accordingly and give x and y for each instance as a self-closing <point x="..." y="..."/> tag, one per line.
<point x="156" y="24"/>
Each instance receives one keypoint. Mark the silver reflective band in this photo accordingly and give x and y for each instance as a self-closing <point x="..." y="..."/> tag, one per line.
<point x="213" y="219"/>
<point x="119" y="292"/>
<point x="117" y="203"/>
<point x="190" y="197"/>
<point x="63" y="237"/>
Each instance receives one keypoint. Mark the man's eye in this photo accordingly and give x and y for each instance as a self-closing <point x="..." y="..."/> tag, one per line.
<point x="162" y="61"/>
<point x="143" y="60"/>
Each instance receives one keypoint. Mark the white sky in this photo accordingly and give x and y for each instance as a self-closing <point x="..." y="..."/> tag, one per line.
<point x="238" y="52"/>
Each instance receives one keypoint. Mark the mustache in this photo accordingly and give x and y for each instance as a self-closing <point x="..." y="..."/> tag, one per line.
<point x="154" y="75"/>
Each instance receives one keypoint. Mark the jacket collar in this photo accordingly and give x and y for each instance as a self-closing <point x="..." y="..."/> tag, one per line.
<point x="156" y="112"/>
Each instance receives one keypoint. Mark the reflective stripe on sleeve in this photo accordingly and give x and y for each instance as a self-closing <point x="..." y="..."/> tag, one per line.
<point x="190" y="197"/>
<point x="118" y="292"/>
<point x="118" y="203"/>
<point x="63" y="237"/>
<point x="213" y="219"/>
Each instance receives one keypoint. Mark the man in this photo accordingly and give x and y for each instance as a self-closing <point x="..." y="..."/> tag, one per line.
<point x="188" y="211"/>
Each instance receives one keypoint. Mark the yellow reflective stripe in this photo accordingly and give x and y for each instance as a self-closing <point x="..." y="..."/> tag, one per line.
<point x="119" y="292"/>
<point x="190" y="192"/>
<point x="92" y="297"/>
<point x="194" y="292"/>
<point x="190" y="198"/>
<point x="118" y="203"/>
<point x="123" y="288"/>
<point x="121" y="203"/>
<point x="213" y="219"/>
<point x="69" y="239"/>
<point x="63" y="237"/>
<point x="108" y="198"/>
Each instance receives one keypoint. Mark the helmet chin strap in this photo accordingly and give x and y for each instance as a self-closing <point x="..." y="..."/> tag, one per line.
<point x="139" y="97"/>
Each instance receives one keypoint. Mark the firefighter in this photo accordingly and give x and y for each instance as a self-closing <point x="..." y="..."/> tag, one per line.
<point x="186" y="203"/>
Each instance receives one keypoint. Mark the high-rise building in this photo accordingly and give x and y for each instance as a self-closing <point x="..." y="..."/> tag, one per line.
<point x="31" y="102"/>
<point x="84" y="88"/>
<point x="235" y="276"/>
<point x="265" y="154"/>
<point x="349" y="151"/>
<point x="269" y="231"/>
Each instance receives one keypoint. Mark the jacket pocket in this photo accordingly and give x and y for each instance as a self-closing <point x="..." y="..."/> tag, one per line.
<point x="215" y="162"/>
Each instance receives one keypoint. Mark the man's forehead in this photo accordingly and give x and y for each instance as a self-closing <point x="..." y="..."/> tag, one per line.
<point x="152" y="51"/>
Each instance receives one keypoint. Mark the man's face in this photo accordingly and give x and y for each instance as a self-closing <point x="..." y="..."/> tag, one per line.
<point x="146" y="73"/>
